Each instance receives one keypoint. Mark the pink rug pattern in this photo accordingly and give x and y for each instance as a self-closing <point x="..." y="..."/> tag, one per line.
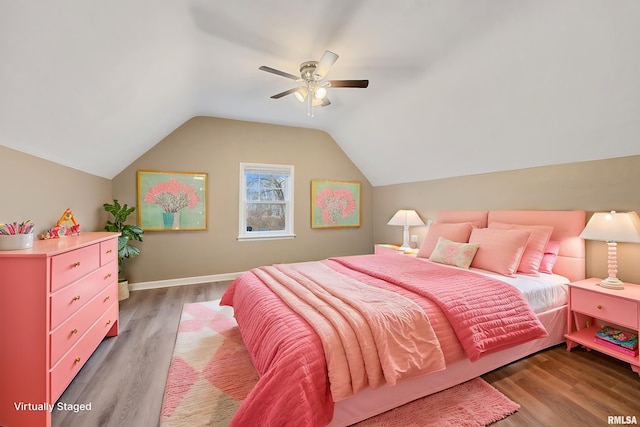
<point x="211" y="373"/>
<point x="203" y="386"/>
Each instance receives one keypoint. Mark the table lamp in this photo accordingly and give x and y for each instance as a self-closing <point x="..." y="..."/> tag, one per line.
<point x="405" y="218"/>
<point x="613" y="227"/>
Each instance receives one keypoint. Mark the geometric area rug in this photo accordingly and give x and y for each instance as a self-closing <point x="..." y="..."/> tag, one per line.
<point x="211" y="373"/>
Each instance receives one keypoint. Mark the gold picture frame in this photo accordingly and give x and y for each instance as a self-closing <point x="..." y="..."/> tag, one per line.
<point x="171" y="201"/>
<point x="335" y="204"/>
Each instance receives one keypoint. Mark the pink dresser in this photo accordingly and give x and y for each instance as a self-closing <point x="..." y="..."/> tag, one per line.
<point x="58" y="300"/>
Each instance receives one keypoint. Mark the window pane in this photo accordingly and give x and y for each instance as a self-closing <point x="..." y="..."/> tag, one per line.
<point x="266" y="201"/>
<point x="265" y="186"/>
<point x="253" y="186"/>
<point x="265" y="217"/>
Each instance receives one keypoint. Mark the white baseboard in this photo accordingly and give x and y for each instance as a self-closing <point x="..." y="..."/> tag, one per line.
<point x="182" y="281"/>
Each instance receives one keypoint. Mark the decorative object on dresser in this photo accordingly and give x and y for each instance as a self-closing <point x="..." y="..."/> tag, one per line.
<point x="591" y="307"/>
<point x="613" y="227"/>
<point x="128" y="232"/>
<point x="16" y="235"/>
<point x="66" y="226"/>
<point x="58" y="300"/>
<point x="405" y="218"/>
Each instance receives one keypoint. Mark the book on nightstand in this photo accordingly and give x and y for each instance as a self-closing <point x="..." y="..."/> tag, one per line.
<point x="616" y="339"/>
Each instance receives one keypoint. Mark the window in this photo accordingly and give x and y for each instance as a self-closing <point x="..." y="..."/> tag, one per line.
<point x="266" y="201"/>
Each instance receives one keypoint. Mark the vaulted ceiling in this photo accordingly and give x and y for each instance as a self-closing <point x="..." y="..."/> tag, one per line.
<point x="457" y="87"/>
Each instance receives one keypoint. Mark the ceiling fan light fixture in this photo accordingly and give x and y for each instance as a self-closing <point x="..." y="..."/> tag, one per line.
<point x="312" y="86"/>
<point x="301" y="94"/>
<point x="320" y="92"/>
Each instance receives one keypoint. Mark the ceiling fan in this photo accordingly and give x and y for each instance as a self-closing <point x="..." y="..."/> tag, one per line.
<point x="313" y="87"/>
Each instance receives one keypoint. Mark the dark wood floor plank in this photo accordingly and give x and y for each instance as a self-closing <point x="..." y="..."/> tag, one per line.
<point x="124" y="380"/>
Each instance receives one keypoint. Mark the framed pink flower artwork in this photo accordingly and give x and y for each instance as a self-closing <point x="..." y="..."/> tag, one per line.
<point x="172" y="200"/>
<point x="335" y="204"/>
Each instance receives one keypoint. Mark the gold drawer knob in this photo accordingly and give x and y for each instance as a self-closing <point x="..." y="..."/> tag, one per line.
<point x="599" y="307"/>
<point x="109" y="322"/>
<point x="107" y="276"/>
<point x="76" y="298"/>
<point x="107" y="298"/>
<point x="76" y="264"/>
<point x="74" y="331"/>
<point x="109" y="251"/>
<point x="78" y="360"/>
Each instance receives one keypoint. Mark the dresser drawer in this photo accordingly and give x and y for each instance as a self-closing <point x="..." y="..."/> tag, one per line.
<point x="108" y="251"/>
<point x="71" y="266"/>
<point x="74" y="328"/>
<point x="67" y="368"/>
<point x="70" y="299"/>
<point x="620" y="311"/>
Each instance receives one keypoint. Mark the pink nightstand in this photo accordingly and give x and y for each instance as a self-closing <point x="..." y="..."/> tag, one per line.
<point x="589" y="303"/>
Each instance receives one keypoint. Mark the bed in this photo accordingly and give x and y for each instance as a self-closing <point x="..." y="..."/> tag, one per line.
<point x="311" y="373"/>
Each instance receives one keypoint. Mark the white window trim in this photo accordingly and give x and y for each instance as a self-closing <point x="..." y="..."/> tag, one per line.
<point x="288" y="232"/>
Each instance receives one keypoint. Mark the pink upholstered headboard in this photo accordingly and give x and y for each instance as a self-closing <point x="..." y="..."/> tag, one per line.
<point x="567" y="226"/>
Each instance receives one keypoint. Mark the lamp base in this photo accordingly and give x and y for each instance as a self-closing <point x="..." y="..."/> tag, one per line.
<point x="612" y="283"/>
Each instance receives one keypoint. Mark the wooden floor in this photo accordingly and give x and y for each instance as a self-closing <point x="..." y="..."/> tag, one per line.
<point x="125" y="378"/>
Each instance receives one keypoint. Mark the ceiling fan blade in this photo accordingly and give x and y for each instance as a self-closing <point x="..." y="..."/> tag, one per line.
<point x="285" y="93"/>
<point x="349" y="83"/>
<point x="278" y="72"/>
<point x="328" y="59"/>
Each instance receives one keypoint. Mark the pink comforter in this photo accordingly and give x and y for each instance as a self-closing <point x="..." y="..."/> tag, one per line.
<point x="487" y="315"/>
<point x="370" y="336"/>
<point x="294" y="388"/>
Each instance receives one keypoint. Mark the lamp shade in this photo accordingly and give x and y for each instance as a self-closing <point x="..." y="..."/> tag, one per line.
<point x="407" y="217"/>
<point x="613" y="227"/>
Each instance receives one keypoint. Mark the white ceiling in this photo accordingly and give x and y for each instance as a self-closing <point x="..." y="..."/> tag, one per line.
<point x="457" y="87"/>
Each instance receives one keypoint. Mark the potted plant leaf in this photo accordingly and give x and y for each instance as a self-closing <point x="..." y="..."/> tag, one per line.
<point x="128" y="232"/>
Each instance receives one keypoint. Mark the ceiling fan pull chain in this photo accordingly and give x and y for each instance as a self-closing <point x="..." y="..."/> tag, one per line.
<point x="309" y="100"/>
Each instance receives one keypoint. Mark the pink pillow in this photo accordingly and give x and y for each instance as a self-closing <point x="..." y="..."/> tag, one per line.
<point x="534" y="251"/>
<point x="456" y="232"/>
<point x="550" y="257"/>
<point x="500" y="251"/>
<point x="454" y="253"/>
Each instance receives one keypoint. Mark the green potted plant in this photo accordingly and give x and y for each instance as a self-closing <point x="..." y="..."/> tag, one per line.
<point x="128" y="232"/>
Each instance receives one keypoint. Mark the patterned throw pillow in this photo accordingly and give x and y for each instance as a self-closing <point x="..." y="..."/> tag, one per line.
<point x="454" y="253"/>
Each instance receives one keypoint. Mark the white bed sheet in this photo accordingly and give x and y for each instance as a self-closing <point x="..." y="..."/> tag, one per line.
<point x="543" y="292"/>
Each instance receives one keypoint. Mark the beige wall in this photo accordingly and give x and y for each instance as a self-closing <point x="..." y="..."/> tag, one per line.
<point x="44" y="189"/>
<point x="594" y="186"/>
<point x="40" y="190"/>
<point x="217" y="146"/>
